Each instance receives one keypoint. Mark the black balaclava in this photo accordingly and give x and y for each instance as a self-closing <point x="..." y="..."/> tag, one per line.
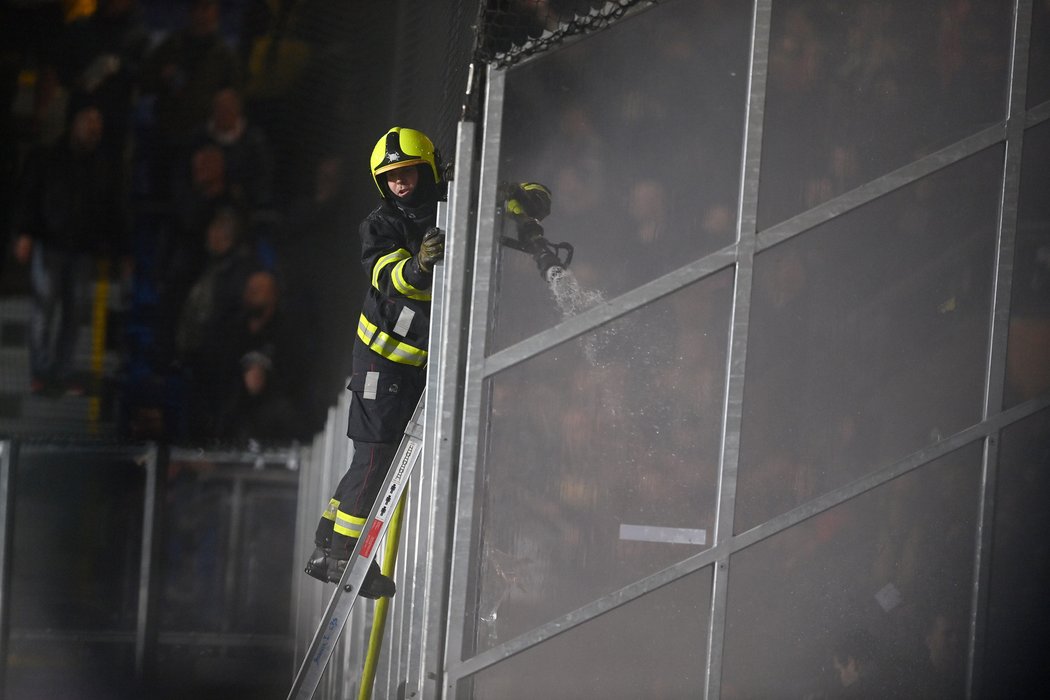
<point x="421" y="205"/>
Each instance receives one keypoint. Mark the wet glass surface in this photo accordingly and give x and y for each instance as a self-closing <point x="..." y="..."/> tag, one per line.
<point x="637" y="131"/>
<point x="1019" y="611"/>
<point x="653" y="647"/>
<point x="1039" y="55"/>
<point x="1028" y="349"/>
<point x="856" y="90"/>
<point x="601" y="465"/>
<point x="868" y="599"/>
<point x="868" y="338"/>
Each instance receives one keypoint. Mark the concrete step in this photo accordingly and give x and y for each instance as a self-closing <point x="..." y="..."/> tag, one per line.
<point x="52" y="413"/>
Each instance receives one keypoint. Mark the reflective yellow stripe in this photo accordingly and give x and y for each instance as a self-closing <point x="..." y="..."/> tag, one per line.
<point x="389" y="347"/>
<point x="388" y="259"/>
<point x="397" y="275"/>
<point x="329" y="512"/>
<point x="529" y="186"/>
<point x="348" y="525"/>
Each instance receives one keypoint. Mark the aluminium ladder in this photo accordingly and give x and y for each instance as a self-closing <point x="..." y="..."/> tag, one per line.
<point x="347" y="591"/>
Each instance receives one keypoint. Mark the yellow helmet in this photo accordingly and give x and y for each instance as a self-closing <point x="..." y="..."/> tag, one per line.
<point x="401" y="147"/>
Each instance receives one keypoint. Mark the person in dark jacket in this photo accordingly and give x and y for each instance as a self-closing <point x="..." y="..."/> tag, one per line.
<point x="259" y="409"/>
<point x="399" y="247"/>
<point x="70" y="212"/>
<point x="101" y="57"/>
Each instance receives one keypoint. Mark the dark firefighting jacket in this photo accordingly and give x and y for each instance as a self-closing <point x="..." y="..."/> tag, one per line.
<point x="395" y="318"/>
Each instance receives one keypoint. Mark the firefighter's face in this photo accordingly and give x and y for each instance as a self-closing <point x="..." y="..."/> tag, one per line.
<point x="402" y="182"/>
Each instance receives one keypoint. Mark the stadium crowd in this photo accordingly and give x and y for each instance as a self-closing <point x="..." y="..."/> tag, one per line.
<point x="154" y="158"/>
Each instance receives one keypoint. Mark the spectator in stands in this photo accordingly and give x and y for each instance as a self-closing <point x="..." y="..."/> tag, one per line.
<point x="102" y="57"/>
<point x="258" y="409"/>
<point x="68" y="214"/>
<point x="249" y="160"/>
<point x="261" y="321"/>
<point x="210" y="313"/>
<point x="862" y="673"/>
<point x="198" y="197"/>
<point x="184" y="73"/>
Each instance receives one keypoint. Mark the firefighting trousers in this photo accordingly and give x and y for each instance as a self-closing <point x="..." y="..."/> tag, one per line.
<point x="381" y="406"/>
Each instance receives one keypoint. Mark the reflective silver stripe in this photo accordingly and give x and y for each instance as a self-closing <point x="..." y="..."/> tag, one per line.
<point x="365" y="330"/>
<point x="346" y="526"/>
<point x="404" y="321"/>
<point x="329" y="512"/>
<point x="371" y="385"/>
<point x="389" y="347"/>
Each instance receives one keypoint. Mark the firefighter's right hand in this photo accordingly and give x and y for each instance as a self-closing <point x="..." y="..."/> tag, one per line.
<point x="431" y="249"/>
<point x="529" y="199"/>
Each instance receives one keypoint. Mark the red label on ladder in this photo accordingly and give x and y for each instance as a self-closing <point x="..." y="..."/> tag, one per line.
<point x="371" y="537"/>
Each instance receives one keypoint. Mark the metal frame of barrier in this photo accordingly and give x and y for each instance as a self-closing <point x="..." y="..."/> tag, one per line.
<point x="147" y="635"/>
<point x="442" y="526"/>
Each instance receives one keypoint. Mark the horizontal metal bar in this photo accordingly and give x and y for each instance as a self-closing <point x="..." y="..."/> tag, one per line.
<point x="883" y="185"/>
<point x="1037" y="115"/>
<point x="610" y="310"/>
<point x="212" y="639"/>
<point x="909" y="463"/>
<point x="273" y="456"/>
<point x="282" y="457"/>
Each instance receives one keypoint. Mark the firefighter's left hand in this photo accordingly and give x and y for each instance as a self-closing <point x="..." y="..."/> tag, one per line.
<point x="431" y="249"/>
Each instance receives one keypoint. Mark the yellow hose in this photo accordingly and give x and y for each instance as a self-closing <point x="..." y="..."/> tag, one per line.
<point x="375" y="640"/>
<point x="98" y="342"/>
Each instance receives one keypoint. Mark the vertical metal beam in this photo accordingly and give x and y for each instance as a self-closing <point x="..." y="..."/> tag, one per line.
<point x="8" y="470"/>
<point x="426" y="675"/>
<point x="995" y="369"/>
<point x="146" y="628"/>
<point x="233" y="547"/>
<point x="467" y="525"/>
<point x="747" y="215"/>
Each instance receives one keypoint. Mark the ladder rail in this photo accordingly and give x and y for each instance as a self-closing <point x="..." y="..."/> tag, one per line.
<point x="348" y="590"/>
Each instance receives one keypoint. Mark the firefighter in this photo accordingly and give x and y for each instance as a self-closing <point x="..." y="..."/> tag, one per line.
<point x="399" y="247"/>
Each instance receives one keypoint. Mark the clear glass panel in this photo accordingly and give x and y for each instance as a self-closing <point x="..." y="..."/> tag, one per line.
<point x="870" y="599"/>
<point x="1015" y="657"/>
<point x="644" y="171"/>
<point x="652" y="647"/>
<point x="262" y="599"/>
<point x="1039" y="55"/>
<point x="868" y="338"/>
<point x="1028" y="350"/>
<point x="75" y="568"/>
<point x="229" y="532"/>
<point x="858" y="89"/>
<point x="77" y="547"/>
<point x="601" y="460"/>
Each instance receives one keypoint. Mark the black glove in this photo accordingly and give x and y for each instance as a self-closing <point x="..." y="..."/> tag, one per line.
<point x="530" y="199"/>
<point x="431" y="249"/>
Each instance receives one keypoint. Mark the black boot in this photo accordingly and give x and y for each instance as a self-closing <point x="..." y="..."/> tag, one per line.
<point x="318" y="564"/>
<point x="324" y="567"/>
<point x="376" y="585"/>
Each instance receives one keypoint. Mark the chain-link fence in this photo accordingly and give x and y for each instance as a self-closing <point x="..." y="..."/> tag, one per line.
<point x="515" y="29"/>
